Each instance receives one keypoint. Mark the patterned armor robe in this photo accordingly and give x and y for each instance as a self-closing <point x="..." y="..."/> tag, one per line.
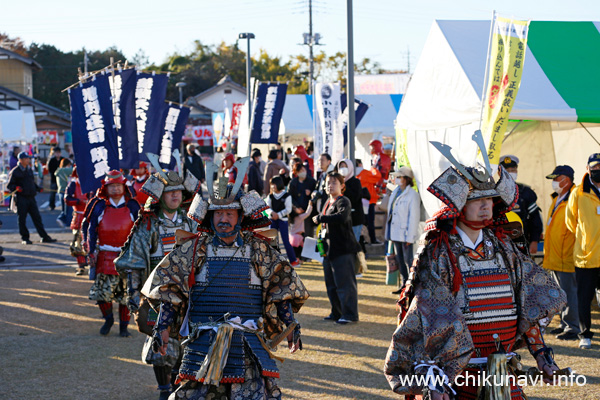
<point x="152" y="238"/>
<point x="502" y="291"/>
<point x="250" y="281"/>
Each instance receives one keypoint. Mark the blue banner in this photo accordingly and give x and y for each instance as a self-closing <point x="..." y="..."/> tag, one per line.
<point x="270" y="99"/>
<point x="175" y="118"/>
<point x="122" y="86"/>
<point x="361" y="109"/>
<point x="150" y="94"/>
<point x="94" y="137"/>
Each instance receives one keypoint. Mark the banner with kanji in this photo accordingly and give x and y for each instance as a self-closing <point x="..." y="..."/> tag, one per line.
<point x="150" y="94"/>
<point x="94" y="137"/>
<point x="268" y="108"/>
<point x="328" y="106"/>
<point x="122" y="86"/>
<point x="236" y="114"/>
<point x="509" y="42"/>
<point x="175" y="120"/>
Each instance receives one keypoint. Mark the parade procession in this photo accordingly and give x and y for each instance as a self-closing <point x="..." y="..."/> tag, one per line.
<point x="212" y="221"/>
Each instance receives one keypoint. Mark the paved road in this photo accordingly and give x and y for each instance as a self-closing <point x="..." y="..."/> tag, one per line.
<point x="10" y="222"/>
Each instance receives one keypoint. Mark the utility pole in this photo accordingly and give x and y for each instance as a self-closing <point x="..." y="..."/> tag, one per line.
<point x="311" y="40"/>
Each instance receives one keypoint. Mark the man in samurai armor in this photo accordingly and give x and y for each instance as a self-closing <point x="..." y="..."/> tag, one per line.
<point x="472" y="297"/>
<point x="140" y="176"/>
<point x="75" y="198"/>
<point x="109" y="217"/>
<point x="236" y="294"/>
<point x="153" y="237"/>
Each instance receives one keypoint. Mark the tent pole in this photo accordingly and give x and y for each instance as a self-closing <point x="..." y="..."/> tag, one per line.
<point x="487" y="66"/>
<point x="590" y="133"/>
<point x="512" y="130"/>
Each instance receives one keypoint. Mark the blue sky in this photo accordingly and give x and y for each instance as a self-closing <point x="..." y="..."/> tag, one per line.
<point x="384" y="30"/>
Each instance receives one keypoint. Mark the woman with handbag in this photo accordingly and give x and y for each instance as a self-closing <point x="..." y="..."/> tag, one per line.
<point x="402" y="222"/>
<point x="339" y="248"/>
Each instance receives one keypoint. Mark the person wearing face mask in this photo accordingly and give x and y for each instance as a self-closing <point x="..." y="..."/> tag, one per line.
<point x="583" y="219"/>
<point x="558" y="250"/>
<point x="526" y="207"/>
<point x="402" y="222"/>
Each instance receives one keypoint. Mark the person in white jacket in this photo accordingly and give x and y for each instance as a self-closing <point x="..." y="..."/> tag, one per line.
<point x="402" y="222"/>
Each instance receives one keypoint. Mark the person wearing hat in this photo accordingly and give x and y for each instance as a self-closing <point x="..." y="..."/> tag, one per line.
<point x="526" y="207"/>
<point x="231" y="293"/>
<point x="108" y="219"/>
<point x="22" y="183"/>
<point x="402" y="222"/>
<point x="470" y="294"/>
<point x="152" y="238"/>
<point x="52" y="165"/>
<point x="583" y="219"/>
<point x="558" y="250"/>
<point x="78" y="200"/>
<point x="140" y="176"/>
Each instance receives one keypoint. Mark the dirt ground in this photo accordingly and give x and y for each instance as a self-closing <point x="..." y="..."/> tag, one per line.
<point x="52" y="349"/>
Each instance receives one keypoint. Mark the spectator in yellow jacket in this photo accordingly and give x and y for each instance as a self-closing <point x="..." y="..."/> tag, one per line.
<point x="583" y="219"/>
<point x="558" y="250"/>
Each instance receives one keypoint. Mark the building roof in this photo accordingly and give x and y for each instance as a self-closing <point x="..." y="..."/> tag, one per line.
<point x="40" y="108"/>
<point x="8" y="54"/>
<point x="225" y="81"/>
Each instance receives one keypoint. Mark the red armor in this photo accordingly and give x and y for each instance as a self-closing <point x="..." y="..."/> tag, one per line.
<point x="140" y="196"/>
<point x="105" y="263"/>
<point x="78" y="207"/>
<point x="115" y="226"/>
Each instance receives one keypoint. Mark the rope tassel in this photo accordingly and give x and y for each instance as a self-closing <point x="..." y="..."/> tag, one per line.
<point x="211" y="370"/>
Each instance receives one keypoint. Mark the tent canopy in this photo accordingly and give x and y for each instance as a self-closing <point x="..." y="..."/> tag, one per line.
<point x="554" y="117"/>
<point x="379" y="119"/>
<point x="17" y="125"/>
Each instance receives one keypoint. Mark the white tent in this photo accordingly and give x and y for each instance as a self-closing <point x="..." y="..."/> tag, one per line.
<point x="554" y="119"/>
<point x="17" y="125"/>
<point x="378" y="122"/>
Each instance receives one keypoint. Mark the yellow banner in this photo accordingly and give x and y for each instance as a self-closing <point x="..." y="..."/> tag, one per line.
<point x="509" y="42"/>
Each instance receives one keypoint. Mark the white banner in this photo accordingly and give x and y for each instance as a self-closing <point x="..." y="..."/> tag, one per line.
<point x="327" y="102"/>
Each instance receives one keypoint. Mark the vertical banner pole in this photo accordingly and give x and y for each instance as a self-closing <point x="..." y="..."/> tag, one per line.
<point x="350" y="84"/>
<point x="487" y="67"/>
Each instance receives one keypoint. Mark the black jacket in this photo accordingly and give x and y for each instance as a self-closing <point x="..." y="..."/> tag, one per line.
<point x="24" y="179"/>
<point x="53" y="164"/>
<point x="340" y="237"/>
<point x="354" y="193"/>
<point x="196" y="167"/>
<point x="255" y="181"/>
<point x="297" y="190"/>
<point x="529" y="212"/>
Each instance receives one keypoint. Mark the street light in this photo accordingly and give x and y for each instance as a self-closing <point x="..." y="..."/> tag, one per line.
<point x="180" y="85"/>
<point x="248" y="36"/>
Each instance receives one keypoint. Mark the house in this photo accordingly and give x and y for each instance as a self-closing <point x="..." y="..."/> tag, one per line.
<point x="17" y="71"/>
<point x="16" y="94"/>
<point x="226" y="91"/>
